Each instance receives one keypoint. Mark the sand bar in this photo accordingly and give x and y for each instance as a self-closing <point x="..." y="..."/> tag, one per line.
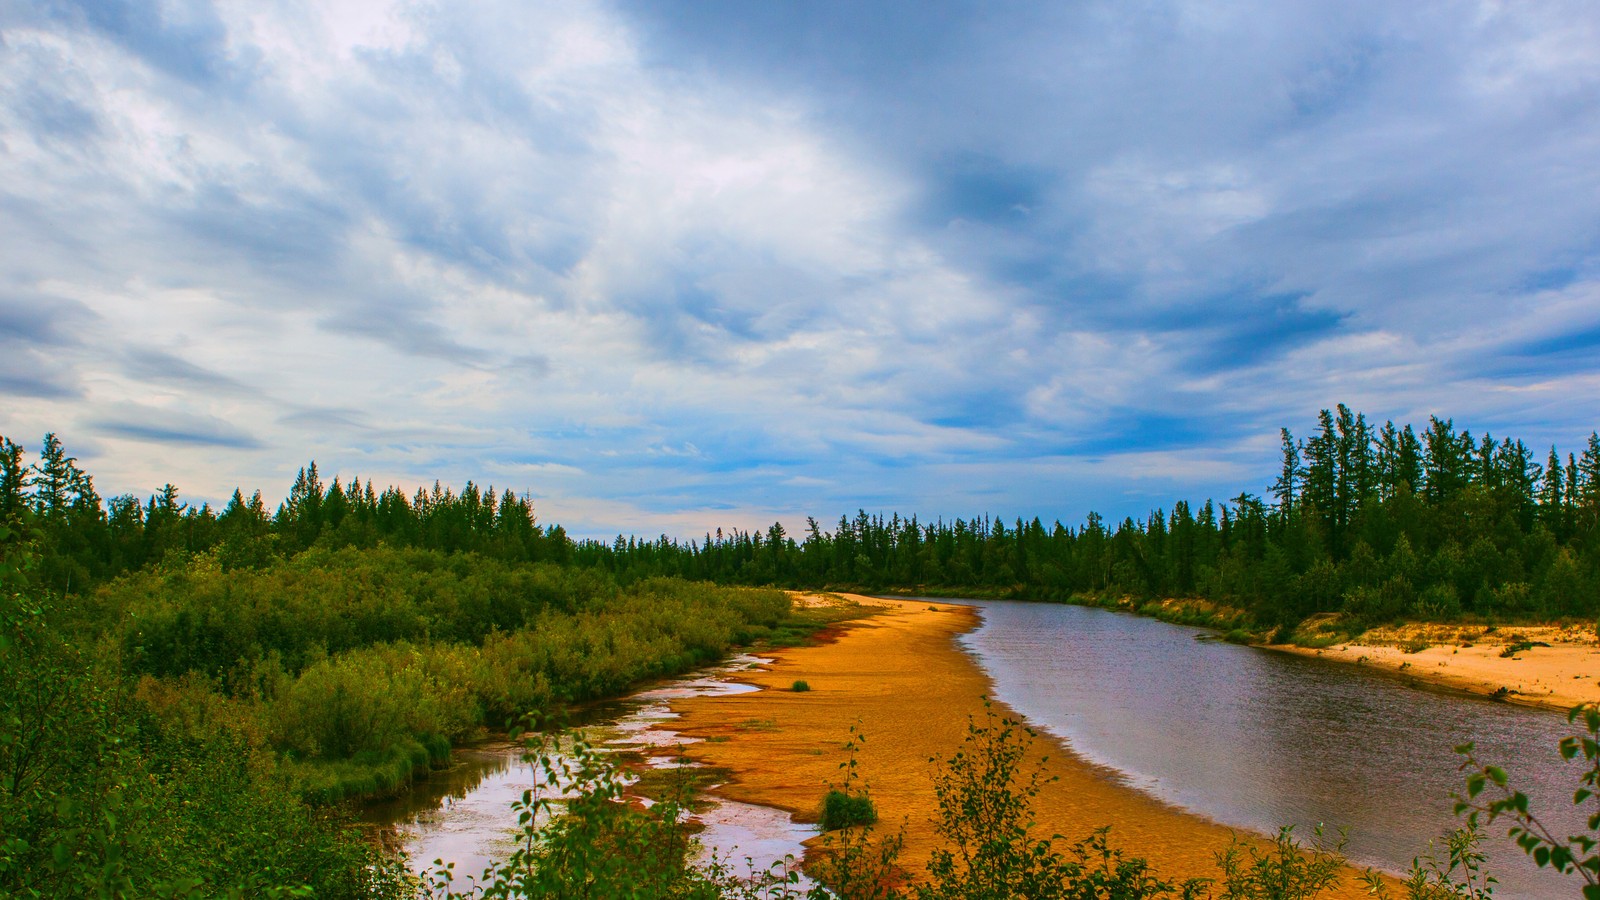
<point x="901" y="675"/>
<point x="1469" y="657"/>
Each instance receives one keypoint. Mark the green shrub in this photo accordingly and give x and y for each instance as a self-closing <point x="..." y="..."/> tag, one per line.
<point x="1287" y="870"/>
<point x="986" y="793"/>
<point x="800" y="687"/>
<point x="577" y="840"/>
<point x="842" y="810"/>
<point x="1438" y="602"/>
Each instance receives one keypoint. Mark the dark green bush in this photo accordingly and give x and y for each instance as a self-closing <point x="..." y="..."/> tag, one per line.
<point x="842" y="810"/>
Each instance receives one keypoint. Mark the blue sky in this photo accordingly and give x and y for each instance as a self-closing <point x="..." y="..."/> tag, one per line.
<point x="671" y="266"/>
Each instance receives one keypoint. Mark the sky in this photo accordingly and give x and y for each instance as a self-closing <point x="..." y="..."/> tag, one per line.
<point x="680" y="264"/>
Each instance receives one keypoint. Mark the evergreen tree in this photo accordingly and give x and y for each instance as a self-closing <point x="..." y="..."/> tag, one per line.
<point x="1586" y="497"/>
<point x="1552" y="500"/>
<point x="1286" y="488"/>
<point x="1322" y="471"/>
<point x="13" y="482"/>
<point x="1445" y="465"/>
<point x="55" y="479"/>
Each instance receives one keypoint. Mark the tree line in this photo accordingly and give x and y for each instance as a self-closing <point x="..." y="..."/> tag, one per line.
<point x="1374" y="522"/>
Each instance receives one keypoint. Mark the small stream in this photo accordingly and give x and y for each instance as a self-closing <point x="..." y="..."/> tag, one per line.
<point x="463" y="815"/>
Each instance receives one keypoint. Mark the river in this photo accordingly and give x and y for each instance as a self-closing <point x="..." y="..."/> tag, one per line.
<point x="1259" y="739"/>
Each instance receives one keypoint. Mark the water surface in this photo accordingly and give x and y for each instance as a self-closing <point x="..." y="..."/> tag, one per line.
<point x="1258" y="739"/>
<point x="463" y="815"/>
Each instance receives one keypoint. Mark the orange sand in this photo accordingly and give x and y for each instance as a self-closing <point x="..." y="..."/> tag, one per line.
<point x="900" y="675"/>
<point x="1559" y="676"/>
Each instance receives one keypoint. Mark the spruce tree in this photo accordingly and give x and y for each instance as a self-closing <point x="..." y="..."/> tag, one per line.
<point x="13" y="482"/>
<point x="1287" y="487"/>
<point x="1552" y="504"/>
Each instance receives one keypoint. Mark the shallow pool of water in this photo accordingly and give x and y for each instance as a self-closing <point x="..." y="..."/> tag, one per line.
<point x="463" y="815"/>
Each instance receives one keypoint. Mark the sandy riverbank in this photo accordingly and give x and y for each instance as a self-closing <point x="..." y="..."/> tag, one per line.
<point x="901" y="675"/>
<point x="1469" y="657"/>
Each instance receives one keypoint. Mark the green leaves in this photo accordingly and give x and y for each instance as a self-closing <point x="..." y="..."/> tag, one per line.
<point x="576" y="839"/>
<point x="1574" y="854"/>
<point x="1287" y="871"/>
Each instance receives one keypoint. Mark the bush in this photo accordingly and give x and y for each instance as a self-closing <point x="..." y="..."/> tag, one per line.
<point x="842" y="810"/>
<point x="1286" y="870"/>
<point x="1438" y="602"/>
<point x="986" y="794"/>
<point x="577" y="840"/>
<point x="800" y="687"/>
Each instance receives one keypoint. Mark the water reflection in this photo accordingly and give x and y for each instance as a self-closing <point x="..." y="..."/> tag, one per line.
<point x="1258" y="739"/>
<point x="462" y="815"/>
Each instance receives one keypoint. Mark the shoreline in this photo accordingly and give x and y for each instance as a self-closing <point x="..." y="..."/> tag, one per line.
<point x="902" y="679"/>
<point x="1561" y="671"/>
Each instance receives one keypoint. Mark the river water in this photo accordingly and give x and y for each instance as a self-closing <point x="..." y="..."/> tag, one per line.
<point x="1258" y="739"/>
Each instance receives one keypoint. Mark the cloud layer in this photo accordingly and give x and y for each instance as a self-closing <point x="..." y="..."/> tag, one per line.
<point x="675" y="265"/>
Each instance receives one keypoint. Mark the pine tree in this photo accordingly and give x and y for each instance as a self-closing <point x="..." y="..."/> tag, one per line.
<point x="1388" y="458"/>
<point x="1322" y="471"/>
<point x="1552" y="505"/>
<point x="1586" y="498"/>
<point x="300" y="516"/>
<point x="13" y="482"/>
<point x="1287" y="487"/>
<point x="56" y="477"/>
<point x="1408" y="462"/>
<point x="1445" y="469"/>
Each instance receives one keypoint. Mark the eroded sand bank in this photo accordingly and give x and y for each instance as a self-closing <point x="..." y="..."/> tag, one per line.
<point x="901" y="676"/>
<point x="1558" y="676"/>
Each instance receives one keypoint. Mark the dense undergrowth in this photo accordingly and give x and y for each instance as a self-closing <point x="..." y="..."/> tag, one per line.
<point x="185" y="731"/>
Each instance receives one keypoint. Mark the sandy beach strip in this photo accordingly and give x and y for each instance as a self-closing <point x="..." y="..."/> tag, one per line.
<point x="1470" y="658"/>
<point x="902" y="680"/>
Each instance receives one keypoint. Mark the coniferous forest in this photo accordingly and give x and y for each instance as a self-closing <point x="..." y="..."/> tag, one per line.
<point x="190" y="694"/>
<point x="1374" y="522"/>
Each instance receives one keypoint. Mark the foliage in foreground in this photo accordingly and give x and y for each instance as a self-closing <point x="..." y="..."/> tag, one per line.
<point x="186" y="732"/>
<point x="986" y="793"/>
<point x="1572" y="855"/>
<point x="99" y="797"/>
<point x="580" y="840"/>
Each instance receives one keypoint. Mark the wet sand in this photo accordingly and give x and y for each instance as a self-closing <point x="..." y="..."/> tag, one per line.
<point x="900" y="676"/>
<point x="1559" y="676"/>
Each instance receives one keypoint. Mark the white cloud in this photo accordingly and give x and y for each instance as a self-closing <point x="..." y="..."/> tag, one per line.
<point x="525" y="241"/>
